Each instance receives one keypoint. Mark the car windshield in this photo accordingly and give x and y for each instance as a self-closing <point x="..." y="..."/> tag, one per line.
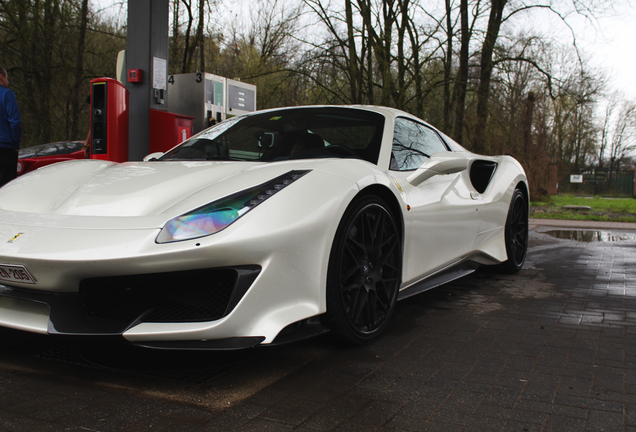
<point x="297" y="133"/>
<point x="51" y="149"/>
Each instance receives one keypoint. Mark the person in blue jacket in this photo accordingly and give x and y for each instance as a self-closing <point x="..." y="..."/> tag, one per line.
<point x="10" y="130"/>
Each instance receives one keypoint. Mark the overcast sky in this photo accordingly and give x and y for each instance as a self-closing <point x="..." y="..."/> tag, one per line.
<point x="614" y="49"/>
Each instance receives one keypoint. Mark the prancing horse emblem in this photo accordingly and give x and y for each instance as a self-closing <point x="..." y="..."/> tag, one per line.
<point x="14" y="238"/>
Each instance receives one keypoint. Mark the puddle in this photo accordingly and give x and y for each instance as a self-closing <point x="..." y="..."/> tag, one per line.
<point x="591" y="236"/>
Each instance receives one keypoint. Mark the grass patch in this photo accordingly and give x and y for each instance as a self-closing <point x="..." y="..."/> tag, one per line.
<point x="602" y="209"/>
<point x="623" y="205"/>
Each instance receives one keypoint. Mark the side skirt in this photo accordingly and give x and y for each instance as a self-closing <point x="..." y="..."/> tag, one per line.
<point x="448" y="275"/>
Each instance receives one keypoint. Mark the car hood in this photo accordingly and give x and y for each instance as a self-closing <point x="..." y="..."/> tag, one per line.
<point x="132" y="189"/>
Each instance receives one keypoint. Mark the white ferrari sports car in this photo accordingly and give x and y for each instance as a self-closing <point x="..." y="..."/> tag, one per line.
<point x="263" y="229"/>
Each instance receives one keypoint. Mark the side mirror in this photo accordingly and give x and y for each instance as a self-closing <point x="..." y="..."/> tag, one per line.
<point x="153" y="156"/>
<point x="440" y="163"/>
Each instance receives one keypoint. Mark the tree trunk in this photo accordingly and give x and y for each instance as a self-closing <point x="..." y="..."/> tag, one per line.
<point x="372" y="45"/>
<point x="200" y="39"/>
<point x="448" y="66"/>
<point x="186" y="49"/>
<point x="486" y="65"/>
<point x="51" y="16"/>
<point x="461" y="83"/>
<point x="385" y="44"/>
<point x="417" y="75"/>
<point x="400" y="93"/>
<point x="354" y="78"/>
<point x="527" y="125"/>
<point x="76" y="97"/>
<point x="175" y="39"/>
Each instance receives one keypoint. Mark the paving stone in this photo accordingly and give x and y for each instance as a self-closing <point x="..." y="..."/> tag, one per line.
<point x="26" y="424"/>
<point x="56" y="411"/>
<point x="463" y="401"/>
<point x="505" y="397"/>
<point x="569" y="386"/>
<point x="516" y="426"/>
<point x="403" y="422"/>
<point x="551" y="408"/>
<point x="510" y="414"/>
<point x="376" y="413"/>
<point x="261" y="424"/>
<point x="421" y="407"/>
<point x="468" y="420"/>
<point x="557" y="423"/>
<point x="604" y="421"/>
<point x="589" y="403"/>
<point x="608" y="381"/>
<point x="283" y="415"/>
<point x="552" y="348"/>
<point x="329" y="418"/>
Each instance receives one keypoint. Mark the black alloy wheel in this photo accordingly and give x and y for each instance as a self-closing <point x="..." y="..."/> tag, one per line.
<point x="365" y="269"/>
<point x="516" y="233"/>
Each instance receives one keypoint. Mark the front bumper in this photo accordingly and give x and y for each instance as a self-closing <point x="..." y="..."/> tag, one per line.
<point x="112" y="305"/>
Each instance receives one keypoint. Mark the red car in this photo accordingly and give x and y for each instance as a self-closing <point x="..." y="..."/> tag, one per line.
<point x="32" y="158"/>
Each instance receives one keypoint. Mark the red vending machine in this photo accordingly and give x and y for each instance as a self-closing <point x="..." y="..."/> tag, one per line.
<point x="109" y="120"/>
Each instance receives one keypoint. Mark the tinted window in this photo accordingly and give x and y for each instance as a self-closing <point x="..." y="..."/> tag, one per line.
<point x="413" y="144"/>
<point x="300" y="133"/>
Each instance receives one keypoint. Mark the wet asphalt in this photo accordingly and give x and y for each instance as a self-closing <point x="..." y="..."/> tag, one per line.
<point x="549" y="349"/>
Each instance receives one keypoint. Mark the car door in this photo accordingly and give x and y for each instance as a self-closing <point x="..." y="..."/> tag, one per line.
<point x="443" y="215"/>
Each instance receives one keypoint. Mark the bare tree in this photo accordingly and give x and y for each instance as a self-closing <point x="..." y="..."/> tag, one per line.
<point x="458" y="101"/>
<point x="618" y="133"/>
<point x="77" y="92"/>
<point x="267" y="54"/>
<point x="485" y="68"/>
<point x="378" y="52"/>
<point x="52" y="48"/>
<point x="188" y="46"/>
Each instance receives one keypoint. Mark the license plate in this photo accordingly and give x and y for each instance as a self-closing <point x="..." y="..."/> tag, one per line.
<point x="15" y="273"/>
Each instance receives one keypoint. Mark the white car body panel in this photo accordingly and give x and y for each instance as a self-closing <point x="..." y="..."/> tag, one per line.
<point x="92" y="219"/>
<point x="441" y="214"/>
<point x="24" y="315"/>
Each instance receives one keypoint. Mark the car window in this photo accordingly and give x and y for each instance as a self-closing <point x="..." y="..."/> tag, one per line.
<point x="300" y="133"/>
<point x="413" y="144"/>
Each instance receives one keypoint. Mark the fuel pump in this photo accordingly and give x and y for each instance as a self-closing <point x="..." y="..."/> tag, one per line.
<point x="109" y="120"/>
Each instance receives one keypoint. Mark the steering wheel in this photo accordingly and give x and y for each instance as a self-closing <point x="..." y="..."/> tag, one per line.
<point x="341" y="150"/>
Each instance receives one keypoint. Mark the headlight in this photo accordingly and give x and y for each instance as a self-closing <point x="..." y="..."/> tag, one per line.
<point x="214" y="217"/>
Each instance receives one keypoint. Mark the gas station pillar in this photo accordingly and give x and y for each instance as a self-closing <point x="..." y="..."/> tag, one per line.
<point x="147" y="69"/>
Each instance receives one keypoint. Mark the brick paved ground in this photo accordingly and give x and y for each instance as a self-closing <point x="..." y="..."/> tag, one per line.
<point x="549" y="349"/>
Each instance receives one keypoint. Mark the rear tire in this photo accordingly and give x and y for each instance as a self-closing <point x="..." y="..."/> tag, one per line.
<point x="516" y="234"/>
<point x="365" y="269"/>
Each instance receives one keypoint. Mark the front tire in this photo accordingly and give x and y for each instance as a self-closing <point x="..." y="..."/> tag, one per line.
<point x="365" y="268"/>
